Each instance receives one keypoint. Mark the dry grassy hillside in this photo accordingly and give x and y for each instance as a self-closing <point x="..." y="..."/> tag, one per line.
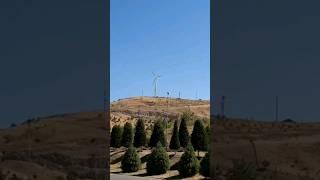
<point x="283" y="150"/>
<point x="130" y="109"/>
<point x="53" y="147"/>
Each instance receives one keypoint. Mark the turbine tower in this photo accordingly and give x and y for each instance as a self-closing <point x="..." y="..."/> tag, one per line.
<point x="155" y="80"/>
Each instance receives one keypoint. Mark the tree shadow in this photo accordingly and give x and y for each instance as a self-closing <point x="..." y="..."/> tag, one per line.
<point x="174" y="177"/>
<point x="115" y="161"/>
<point x="175" y="166"/>
<point x="145" y="158"/>
<point x="171" y="156"/>
<point x="142" y="175"/>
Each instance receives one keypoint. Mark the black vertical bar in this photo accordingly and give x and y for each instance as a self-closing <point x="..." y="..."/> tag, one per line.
<point x="211" y="4"/>
<point x="107" y="89"/>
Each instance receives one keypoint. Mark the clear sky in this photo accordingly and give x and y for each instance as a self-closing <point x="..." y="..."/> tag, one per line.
<point x="169" y="38"/>
<point x="52" y="57"/>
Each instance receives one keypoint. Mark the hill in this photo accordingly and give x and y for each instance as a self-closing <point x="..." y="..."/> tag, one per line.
<point x="56" y="146"/>
<point x="150" y="108"/>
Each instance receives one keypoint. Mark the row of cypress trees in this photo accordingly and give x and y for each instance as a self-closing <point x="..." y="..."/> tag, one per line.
<point x="180" y="137"/>
<point x="124" y="136"/>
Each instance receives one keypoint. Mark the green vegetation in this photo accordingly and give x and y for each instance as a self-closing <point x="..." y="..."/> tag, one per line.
<point x="158" y="161"/>
<point x="199" y="138"/>
<point x="127" y="135"/>
<point x="174" y="142"/>
<point x="140" y="138"/>
<point x="183" y="130"/>
<point x="188" y="164"/>
<point x="131" y="161"/>
<point x="158" y="135"/>
<point x="116" y="134"/>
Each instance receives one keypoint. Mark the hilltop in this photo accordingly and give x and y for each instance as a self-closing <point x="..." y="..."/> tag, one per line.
<point x="129" y="109"/>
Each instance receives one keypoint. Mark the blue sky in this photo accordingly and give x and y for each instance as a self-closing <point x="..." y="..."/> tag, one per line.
<point x="170" y="38"/>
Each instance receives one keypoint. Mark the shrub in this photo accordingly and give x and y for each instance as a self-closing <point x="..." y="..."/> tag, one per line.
<point x="140" y="134"/>
<point x="205" y="165"/>
<point x="188" y="164"/>
<point x="131" y="161"/>
<point x="158" y="161"/>
<point x="242" y="170"/>
<point x="116" y="134"/>
<point x="199" y="137"/>
<point x="157" y="135"/>
<point x="183" y="130"/>
<point x="174" y="142"/>
<point x="127" y="135"/>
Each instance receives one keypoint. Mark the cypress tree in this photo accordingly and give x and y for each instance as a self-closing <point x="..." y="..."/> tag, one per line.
<point x="188" y="164"/>
<point x="131" y="161"/>
<point x="116" y="134"/>
<point x="127" y="135"/>
<point x="157" y="135"/>
<point x="158" y="161"/>
<point x="183" y="130"/>
<point x="174" y="142"/>
<point x="140" y="134"/>
<point x="199" y="137"/>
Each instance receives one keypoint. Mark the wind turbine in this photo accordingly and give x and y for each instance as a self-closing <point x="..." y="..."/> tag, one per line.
<point x="155" y="80"/>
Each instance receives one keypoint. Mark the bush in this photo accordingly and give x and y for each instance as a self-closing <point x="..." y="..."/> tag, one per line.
<point x="242" y="170"/>
<point x="116" y="134"/>
<point x="158" y="161"/>
<point x="174" y="142"/>
<point x="205" y="165"/>
<point x="158" y="135"/>
<point x="183" y="130"/>
<point x="127" y="135"/>
<point x="140" y="134"/>
<point x="199" y="137"/>
<point x="188" y="164"/>
<point x="131" y="161"/>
